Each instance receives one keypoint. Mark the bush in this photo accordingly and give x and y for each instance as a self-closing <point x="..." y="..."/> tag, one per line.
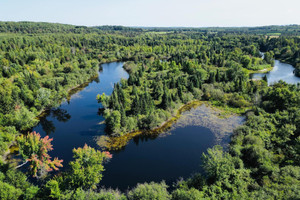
<point x="113" y="120"/>
<point x="17" y="179"/>
<point x="191" y="194"/>
<point x="52" y="189"/>
<point x="211" y="93"/>
<point x="22" y="119"/>
<point x="237" y="101"/>
<point x="31" y="192"/>
<point x="197" y="93"/>
<point x="89" y="194"/>
<point x="7" y="135"/>
<point x="187" y="97"/>
<point x="149" y="191"/>
<point x="110" y="195"/>
<point x="9" y="192"/>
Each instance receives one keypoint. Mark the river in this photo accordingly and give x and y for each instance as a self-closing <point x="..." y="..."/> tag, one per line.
<point x="176" y="153"/>
<point x="281" y="71"/>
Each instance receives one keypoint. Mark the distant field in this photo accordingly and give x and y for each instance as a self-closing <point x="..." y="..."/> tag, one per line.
<point x="160" y="32"/>
<point x="274" y="34"/>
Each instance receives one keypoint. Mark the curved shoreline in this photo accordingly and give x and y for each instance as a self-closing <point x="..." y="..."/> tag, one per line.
<point x="261" y="71"/>
<point x="292" y="64"/>
<point x="119" y="142"/>
<point x="70" y="92"/>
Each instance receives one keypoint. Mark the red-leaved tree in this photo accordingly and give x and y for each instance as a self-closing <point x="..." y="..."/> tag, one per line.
<point x="34" y="149"/>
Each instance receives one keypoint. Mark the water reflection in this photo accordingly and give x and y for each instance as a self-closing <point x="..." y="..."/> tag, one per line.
<point x="47" y="126"/>
<point x="146" y="157"/>
<point x="156" y="156"/>
<point x="75" y="92"/>
<point x="59" y="114"/>
<point x="211" y="118"/>
<point x="138" y="140"/>
<point x="281" y="71"/>
<point x="76" y="121"/>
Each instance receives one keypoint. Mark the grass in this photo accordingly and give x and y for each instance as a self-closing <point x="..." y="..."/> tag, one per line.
<point x="273" y="34"/>
<point x="226" y="110"/>
<point x="159" y="32"/>
<point x="260" y="69"/>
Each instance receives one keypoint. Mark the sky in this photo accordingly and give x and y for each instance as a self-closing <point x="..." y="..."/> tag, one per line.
<point x="154" y="13"/>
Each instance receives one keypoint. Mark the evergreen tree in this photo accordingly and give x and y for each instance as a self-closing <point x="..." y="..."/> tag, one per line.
<point x="218" y="77"/>
<point x="265" y="78"/>
<point x="166" y="99"/>
<point x="212" y="77"/>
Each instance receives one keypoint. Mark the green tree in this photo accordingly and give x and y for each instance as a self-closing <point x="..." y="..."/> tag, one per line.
<point x="8" y="192"/>
<point x="87" y="167"/>
<point x="226" y="173"/>
<point x="166" y="99"/>
<point x="190" y="194"/>
<point x="269" y="58"/>
<point x="52" y="189"/>
<point x="112" y="120"/>
<point x="104" y="99"/>
<point x="150" y="191"/>
<point x="246" y="62"/>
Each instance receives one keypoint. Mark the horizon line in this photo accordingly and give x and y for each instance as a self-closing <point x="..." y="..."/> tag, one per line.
<point x="145" y="26"/>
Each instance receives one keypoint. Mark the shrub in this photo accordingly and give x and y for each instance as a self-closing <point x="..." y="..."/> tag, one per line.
<point x="149" y="191"/>
<point x="9" y="192"/>
<point x="191" y="194"/>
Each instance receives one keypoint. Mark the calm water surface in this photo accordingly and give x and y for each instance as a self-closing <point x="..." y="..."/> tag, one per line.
<point x="281" y="71"/>
<point x="76" y="122"/>
<point x="169" y="156"/>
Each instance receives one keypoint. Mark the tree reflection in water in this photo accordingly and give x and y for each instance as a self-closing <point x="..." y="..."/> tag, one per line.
<point x="59" y="114"/>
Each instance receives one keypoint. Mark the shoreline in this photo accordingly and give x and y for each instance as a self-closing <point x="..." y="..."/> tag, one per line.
<point x="261" y="71"/>
<point x="44" y="111"/>
<point x="70" y="92"/>
<point x="290" y="63"/>
<point x="77" y="88"/>
<point x="113" y="143"/>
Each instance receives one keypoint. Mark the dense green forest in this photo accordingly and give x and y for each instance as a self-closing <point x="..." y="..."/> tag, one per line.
<point x="286" y="49"/>
<point x="261" y="30"/>
<point x="43" y="27"/>
<point x="207" y="69"/>
<point x="41" y="62"/>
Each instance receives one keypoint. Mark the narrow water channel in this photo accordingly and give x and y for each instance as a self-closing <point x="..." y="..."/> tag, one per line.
<point x="281" y="71"/>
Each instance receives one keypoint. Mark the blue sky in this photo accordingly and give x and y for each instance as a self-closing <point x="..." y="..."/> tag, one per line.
<point x="188" y="13"/>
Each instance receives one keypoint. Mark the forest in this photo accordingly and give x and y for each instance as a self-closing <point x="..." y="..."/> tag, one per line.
<point x="40" y="63"/>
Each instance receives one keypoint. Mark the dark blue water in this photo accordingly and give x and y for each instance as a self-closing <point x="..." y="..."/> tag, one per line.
<point x="281" y="71"/>
<point x="166" y="158"/>
<point x="144" y="159"/>
<point x="76" y="121"/>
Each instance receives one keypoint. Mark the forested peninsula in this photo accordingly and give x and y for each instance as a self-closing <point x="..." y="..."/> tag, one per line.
<point x="40" y="63"/>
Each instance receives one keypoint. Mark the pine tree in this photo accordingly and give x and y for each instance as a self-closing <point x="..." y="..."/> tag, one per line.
<point x="123" y="117"/>
<point x="65" y="81"/>
<point x="218" y="77"/>
<point x="157" y="90"/>
<point x="265" y="78"/>
<point x="190" y="86"/>
<point x="166" y="99"/>
<point x="212" y="77"/>
<point x="180" y="92"/>
<point x="135" y="107"/>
